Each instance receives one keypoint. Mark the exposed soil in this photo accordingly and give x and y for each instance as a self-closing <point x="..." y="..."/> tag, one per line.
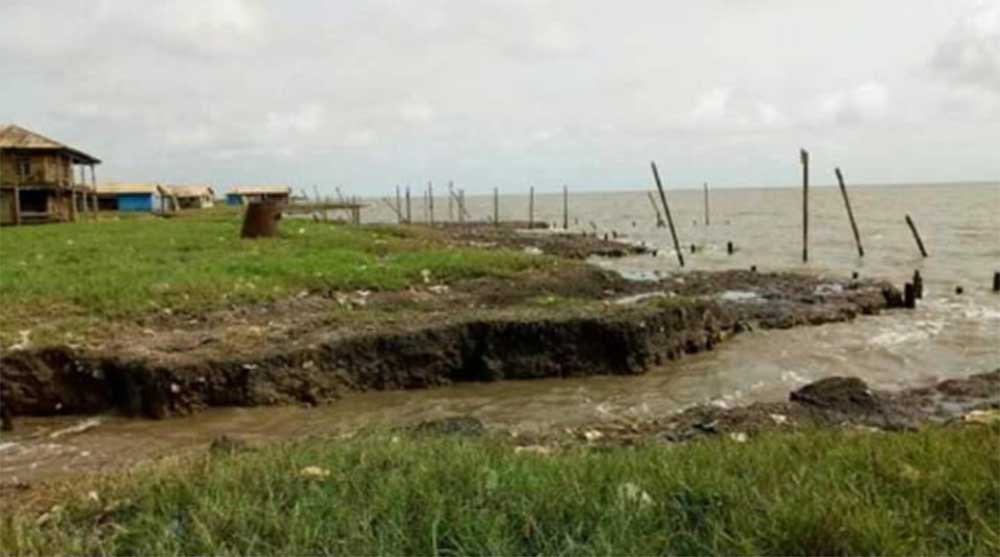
<point x="562" y="244"/>
<point x="572" y="321"/>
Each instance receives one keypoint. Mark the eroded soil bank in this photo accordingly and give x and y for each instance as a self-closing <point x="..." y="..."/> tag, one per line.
<point x="578" y="322"/>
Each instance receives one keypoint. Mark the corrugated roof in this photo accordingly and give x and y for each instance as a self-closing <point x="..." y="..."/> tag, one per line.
<point x="16" y="137"/>
<point x="190" y="191"/>
<point x="117" y="188"/>
<point x="258" y="190"/>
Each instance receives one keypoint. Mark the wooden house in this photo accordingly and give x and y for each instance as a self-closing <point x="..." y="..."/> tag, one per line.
<point x="38" y="178"/>
<point x="143" y="198"/>
<point x="192" y="197"/>
<point x="241" y="195"/>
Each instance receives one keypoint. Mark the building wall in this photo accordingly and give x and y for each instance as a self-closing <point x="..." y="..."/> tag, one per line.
<point x="142" y="202"/>
<point x="44" y="169"/>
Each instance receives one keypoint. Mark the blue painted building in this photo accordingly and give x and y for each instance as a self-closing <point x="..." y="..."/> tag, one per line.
<point x="144" y="198"/>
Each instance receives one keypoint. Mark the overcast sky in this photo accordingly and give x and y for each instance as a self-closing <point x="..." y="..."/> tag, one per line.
<point x="368" y="94"/>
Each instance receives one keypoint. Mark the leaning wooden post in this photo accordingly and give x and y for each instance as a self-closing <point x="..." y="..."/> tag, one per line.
<point x="565" y="207"/>
<point x="666" y="211"/>
<point x="706" y="204"/>
<point x="399" y="207"/>
<point x="804" y="156"/>
<point x="531" y="208"/>
<point x="656" y="209"/>
<point x="850" y="213"/>
<point x="496" y="206"/>
<point x="916" y="236"/>
<point x="409" y="216"/>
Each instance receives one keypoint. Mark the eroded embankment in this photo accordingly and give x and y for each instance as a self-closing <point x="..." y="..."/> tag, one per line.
<point x="623" y="337"/>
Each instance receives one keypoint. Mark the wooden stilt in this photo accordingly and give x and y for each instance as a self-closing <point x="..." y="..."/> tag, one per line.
<point x="916" y="235"/>
<point x="451" y="202"/>
<point x="531" y="208"/>
<point x="17" y="192"/>
<point x="399" y="207"/>
<point x="496" y="206"/>
<point x="430" y="200"/>
<point x="666" y="211"/>
<point x="409" y="215"/>
<point x="565" y="207"/>
<point x="804" y="157"/>
<point x="706" y="204"/>
<point x="850" y="213"/>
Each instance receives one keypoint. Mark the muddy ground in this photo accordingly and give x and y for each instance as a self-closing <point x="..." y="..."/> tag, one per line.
<point x="572" y="321"/>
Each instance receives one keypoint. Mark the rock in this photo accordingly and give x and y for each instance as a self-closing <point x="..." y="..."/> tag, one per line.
<point x="848" y="395"/>
<point x="455" y="425"/>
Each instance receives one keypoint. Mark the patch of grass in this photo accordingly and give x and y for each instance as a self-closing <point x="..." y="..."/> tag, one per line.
<point x="935" y="492"/>
<point x="130" y="266"/>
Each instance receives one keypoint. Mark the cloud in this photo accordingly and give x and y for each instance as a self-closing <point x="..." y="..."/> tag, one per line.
<point x="724" y="110"/>
<point x="865" y="103"/>
<point x="970" y="54"/>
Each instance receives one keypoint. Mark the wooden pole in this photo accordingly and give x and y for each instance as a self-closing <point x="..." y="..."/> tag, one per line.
<point x="399" y="206"/>
<point x="659" y="218"/>
<point x="531" y="208"/>
<point x="496" y="206"/>
<point x="451" y="202"/>
<point x="409" y="219"/>
<point x="916" y="236"/>
<point x="461" y="206"/>
<point x="430" y="199"/>
<point x="804" y="156"/>
<point x="17" y="189"/>
<point x="666" y="211"/>
<point x="850" y="213"/>
<point x="93" y="187"/>
<point x="706" y="204"/>
<point x="565" y="207"/>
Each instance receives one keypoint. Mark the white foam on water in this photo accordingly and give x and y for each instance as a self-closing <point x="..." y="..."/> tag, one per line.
<point x="7" y="445"/>
<point x="913" y="331"/>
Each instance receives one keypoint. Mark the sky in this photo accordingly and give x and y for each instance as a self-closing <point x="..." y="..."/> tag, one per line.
<point x="369" y="94"/>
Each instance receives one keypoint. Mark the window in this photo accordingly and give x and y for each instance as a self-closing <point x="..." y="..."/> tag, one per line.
<point x="23" y="167"/>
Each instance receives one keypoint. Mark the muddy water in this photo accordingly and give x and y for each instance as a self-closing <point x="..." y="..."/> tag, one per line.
<point x="948" y="335"/>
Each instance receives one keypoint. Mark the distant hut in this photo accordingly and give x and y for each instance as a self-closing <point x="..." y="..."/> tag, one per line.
<point x="241" y="195"/>
<point x="192" y="197"/>
<point x="38" y="178"/>
<point x="141" y="198"/>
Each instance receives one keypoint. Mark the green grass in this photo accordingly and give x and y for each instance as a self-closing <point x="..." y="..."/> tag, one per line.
<point x="130" y="266"/>
<point x="822" y="493"/>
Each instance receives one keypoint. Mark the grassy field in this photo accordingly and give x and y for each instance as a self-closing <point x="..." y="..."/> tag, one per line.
<point x="935" y="492"/>
<point x="124" y="267"/>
